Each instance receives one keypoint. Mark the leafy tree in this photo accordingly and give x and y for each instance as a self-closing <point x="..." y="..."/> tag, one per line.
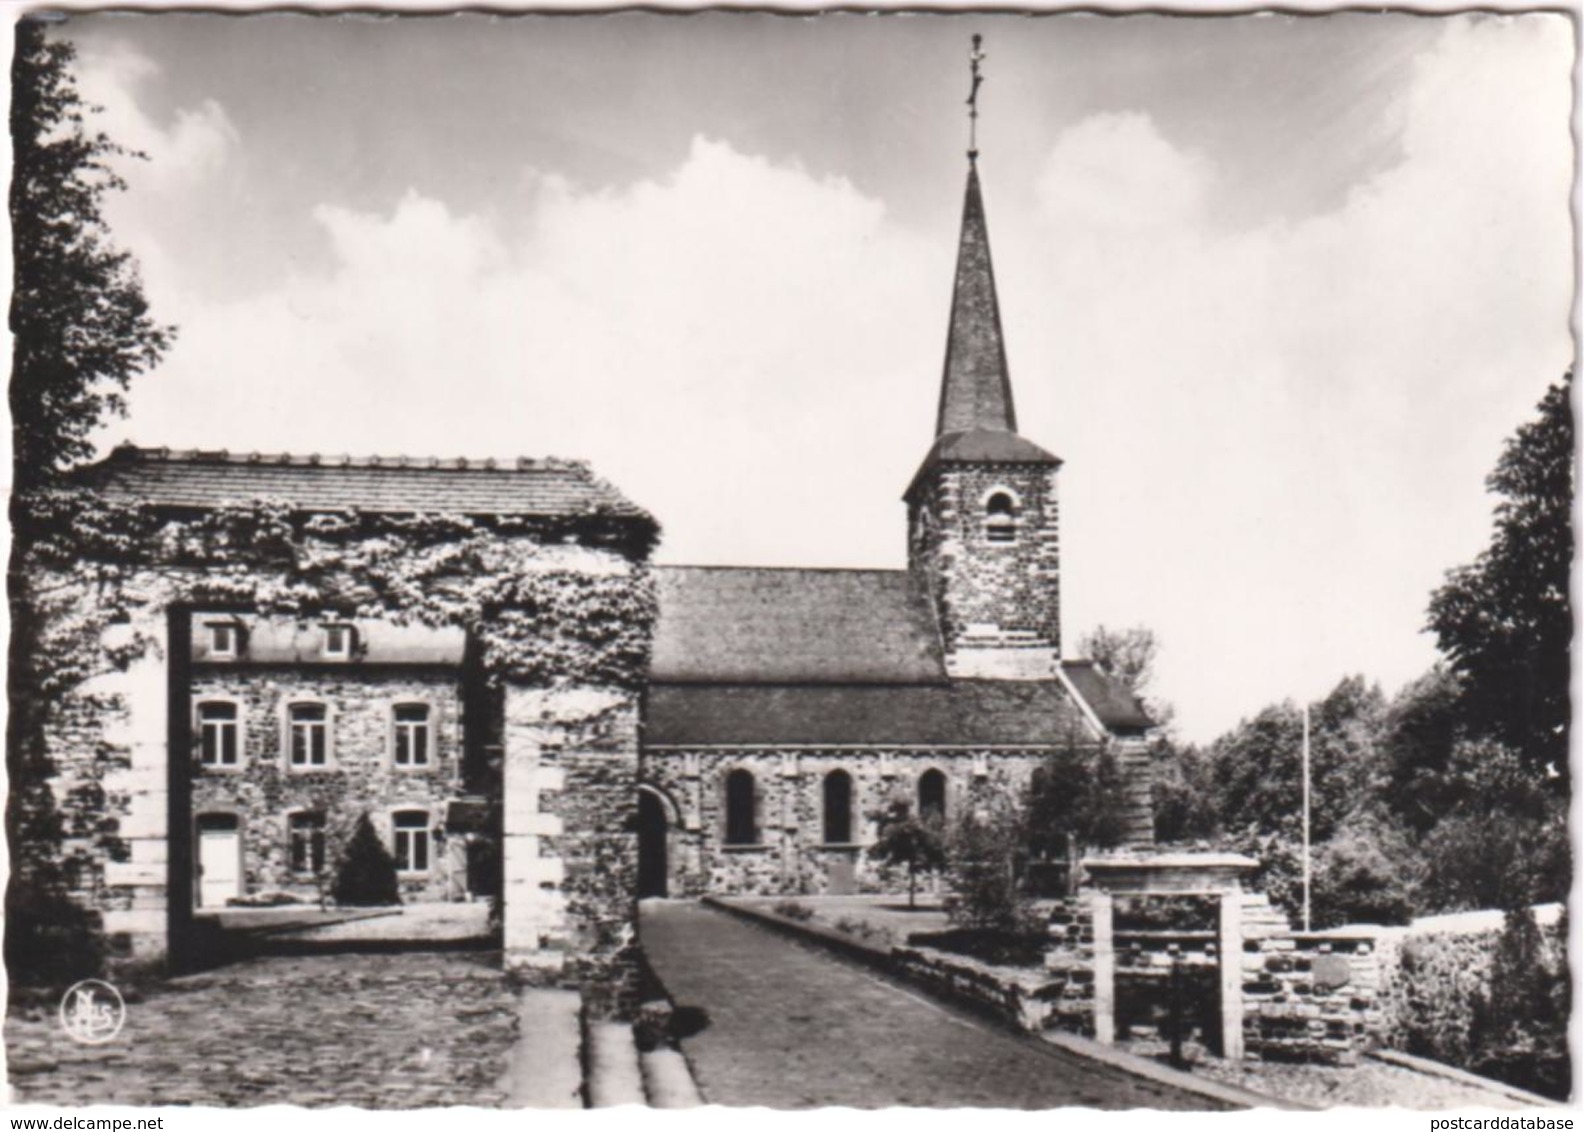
<point x="80" y="324"/>
<point x="1257" y="768"/>
<point x="367" y="874"/>
<point x="987" y="855"/>
<point x="1076" y="802"/>
<point x="1503" y="842"/>
<point x="1128" y="656"/>
<point x="1505" y="621"/>
<point x="80" y="330"/>
<point x="1181" y="794"/>
<point x="1518" y="1032"/>
<point x="1366" y="873"/>
<point x="916" y="843"/>
<point x="1418" y="734"/>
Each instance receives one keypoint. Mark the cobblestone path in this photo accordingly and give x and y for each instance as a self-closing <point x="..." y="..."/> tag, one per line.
<point x="791" y="1026"/>
<point x="376" y="1031"/>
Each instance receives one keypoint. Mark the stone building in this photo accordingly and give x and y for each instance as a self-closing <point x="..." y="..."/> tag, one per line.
<point x="746" y="747"/>
<point x="788" y="707"/>
<point x="232" y="754"/>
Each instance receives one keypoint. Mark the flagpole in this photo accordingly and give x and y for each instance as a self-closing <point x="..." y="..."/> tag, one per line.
<point x="1306" y="817"/>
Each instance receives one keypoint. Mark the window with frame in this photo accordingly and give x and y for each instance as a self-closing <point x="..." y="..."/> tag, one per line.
<point x="742" y="826"/>
<point x="219" y="734"/>
<point x="410" y="839"/>
<point x="305" y="842"/>
<point x="932" y="795"/>
<point x="838" y="808"/>
<point x="308" y="728"/>
<point x="338" y="641"/>
<point x="413" y="734"/>
<point x="225" y="639"/>
<point x="1000" y="518"/>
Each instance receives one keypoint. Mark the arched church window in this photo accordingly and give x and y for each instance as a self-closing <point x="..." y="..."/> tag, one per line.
<point x="742" y="828"/>
<point x="932" y="795"/>
<point x="838" y="808"/>
<point x="1000" y="518"/>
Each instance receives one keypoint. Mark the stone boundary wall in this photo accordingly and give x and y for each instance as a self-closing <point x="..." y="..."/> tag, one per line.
<point x="1311" y="996"/>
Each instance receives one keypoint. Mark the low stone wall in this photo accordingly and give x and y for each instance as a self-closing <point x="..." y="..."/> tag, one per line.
<point x="1311" y="996"/>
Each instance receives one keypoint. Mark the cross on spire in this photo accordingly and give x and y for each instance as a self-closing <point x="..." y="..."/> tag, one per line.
<point x="975" y="57"/>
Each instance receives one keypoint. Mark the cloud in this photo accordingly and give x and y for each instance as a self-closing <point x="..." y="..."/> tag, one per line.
<point x="1311" y="406"/>
<point x="1276" y="433"/>
<point x="193" y="145"/>
<point x="737" y="314"/>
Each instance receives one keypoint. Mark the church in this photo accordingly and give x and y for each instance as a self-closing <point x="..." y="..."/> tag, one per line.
<point x="787" y="708"/>
<point x="479" y="660"/>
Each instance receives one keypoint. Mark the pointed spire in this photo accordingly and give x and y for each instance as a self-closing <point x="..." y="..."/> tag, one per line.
<point x="976" y="389"/>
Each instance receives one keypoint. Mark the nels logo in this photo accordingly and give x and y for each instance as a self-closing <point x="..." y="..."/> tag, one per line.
<point x="92" y="1012"/>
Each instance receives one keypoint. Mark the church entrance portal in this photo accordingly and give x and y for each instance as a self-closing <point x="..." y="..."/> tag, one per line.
<point x="653" y="825"/>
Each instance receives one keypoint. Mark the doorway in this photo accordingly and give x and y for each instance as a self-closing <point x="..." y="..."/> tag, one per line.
<point x="653" y="826"/>
<point x="219" y="859"/>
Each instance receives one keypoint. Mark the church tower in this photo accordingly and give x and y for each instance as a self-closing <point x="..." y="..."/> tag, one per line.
<point x="982" y="515"/>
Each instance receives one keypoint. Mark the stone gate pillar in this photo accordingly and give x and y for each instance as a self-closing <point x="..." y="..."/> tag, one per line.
<point x="569" y="835"/>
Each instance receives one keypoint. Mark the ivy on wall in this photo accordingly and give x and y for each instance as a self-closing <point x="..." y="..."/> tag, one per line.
<point x="547" y="601"/>
<point x="542" y="600"/>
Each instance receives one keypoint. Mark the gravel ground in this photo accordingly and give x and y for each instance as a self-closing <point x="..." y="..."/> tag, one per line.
<point x="428" y="922"/>
<point x="411" y="1030"/>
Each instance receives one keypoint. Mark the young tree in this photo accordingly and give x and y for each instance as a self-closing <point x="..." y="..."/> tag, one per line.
<point x="1505" y="621"/>
<point x="915" y="843"/>
<point x="367" y="875"/>
<point x="987" y="853"/>
<point x="80" y="330"/>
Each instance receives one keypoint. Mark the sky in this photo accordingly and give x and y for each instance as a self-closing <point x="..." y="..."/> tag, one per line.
<point x="1276" y="288"/>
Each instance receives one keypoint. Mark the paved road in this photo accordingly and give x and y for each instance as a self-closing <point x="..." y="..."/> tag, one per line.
<point x="792" y="1026"/>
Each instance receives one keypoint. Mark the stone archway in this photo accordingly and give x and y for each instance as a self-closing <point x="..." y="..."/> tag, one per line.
<point x="655" y="824"/>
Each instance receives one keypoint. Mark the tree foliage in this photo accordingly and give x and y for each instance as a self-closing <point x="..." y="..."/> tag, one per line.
<point x="1505" y="622"/>
<point x="366" y="875"/>
<point x="80" y="324"/>
<point x="988" y="854"/>
<point x="1078" y="795"/>
<point x="81" y="330"/>
<point x="914" y="842"/>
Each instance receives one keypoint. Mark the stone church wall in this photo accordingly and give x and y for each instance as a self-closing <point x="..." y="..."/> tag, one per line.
<point x="790" y="856"/>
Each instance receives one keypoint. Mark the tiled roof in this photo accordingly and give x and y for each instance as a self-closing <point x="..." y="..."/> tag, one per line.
<point x="748" y="625"/>
<point x="976" y="389"/>
<point x="391" y="485"/>
<point x="983" y="446"/>
<point x="960" y="713"/>
<point x="1109" y="699"/>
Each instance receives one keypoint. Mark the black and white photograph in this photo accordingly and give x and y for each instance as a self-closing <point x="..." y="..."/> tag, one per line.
<point x="953" y="559"/>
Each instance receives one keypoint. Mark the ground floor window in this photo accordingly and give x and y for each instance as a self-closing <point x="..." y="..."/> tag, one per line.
<point x="305" y="842"/>
<point x="411" y="840"/>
